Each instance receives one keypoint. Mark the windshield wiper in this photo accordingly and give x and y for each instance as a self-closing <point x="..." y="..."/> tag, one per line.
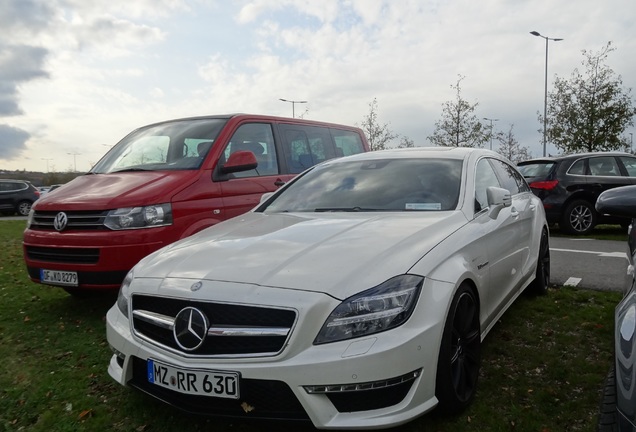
<point x="345" y="209"/>
<point x="130" y="170"/>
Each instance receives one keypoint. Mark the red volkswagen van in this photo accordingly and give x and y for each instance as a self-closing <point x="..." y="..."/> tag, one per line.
<point x="164" y="182"/>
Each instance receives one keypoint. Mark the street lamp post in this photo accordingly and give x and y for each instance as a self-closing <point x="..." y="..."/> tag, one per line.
<point x="631" y="142"/>
<point x="545" y="97"/>
<point x="47" y="163"/>
<point x="491" y="120"/>
<point x="74" y="161"/>
<point x="293" y="102"/>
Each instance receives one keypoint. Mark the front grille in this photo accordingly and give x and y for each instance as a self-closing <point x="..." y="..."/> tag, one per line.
<point x="77" y="220"/>
<point x="266" y="399"/>
<point x="162" y="311"/>
<point x="63" y="255"/>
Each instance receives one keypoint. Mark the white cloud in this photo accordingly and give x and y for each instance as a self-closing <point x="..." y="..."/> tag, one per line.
<point x="108" y="66"/>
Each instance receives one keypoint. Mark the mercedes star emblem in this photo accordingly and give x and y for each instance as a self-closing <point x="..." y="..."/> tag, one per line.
<point x="190" y="328"/>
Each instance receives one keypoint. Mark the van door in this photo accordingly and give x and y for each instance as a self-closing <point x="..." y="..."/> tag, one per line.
<point x="243" y="190"/>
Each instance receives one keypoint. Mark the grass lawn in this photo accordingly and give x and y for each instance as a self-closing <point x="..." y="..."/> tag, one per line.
<point x="543" y="365"/>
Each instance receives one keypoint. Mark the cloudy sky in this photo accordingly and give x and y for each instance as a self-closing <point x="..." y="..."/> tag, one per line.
<point x="76" y="75"/>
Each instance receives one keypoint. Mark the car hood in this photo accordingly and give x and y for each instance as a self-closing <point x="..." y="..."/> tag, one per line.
<point x="334" y="253"/>
<point x="116" y="190"/>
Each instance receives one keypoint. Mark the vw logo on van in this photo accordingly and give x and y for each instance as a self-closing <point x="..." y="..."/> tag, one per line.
<point x="60" y="221"/>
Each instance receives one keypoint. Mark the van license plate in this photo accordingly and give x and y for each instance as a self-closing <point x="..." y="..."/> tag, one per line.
<point x="56" y="277"/>
<point x="219" y="384"/>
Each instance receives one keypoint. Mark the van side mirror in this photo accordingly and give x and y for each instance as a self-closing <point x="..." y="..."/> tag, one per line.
<point x="239" y="161"/>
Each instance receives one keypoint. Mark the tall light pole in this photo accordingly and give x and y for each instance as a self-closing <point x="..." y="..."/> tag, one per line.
<point x="47" y="163"/>
<point x="293" y="102"/>
<point x="74" y="161"/>
<point x="631" y="142"/>
<point x="491" y="120"/>
<point x="545" y="97"/>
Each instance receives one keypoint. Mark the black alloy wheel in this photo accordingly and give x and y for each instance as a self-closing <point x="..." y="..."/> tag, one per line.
<point x="459" y="356"/>
<point x="542" y="279"/>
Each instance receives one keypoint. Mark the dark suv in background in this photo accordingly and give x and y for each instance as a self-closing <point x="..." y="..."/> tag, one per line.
<point x="570" y="185"/>
<point x="17" y="196"/>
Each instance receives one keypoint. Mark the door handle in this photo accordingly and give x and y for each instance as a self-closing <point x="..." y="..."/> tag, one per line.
<point x="279" y="183"/>
<point x="514" y="213"/>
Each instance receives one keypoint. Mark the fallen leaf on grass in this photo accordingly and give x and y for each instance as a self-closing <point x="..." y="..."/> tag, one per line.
<point x="86" y="413"/>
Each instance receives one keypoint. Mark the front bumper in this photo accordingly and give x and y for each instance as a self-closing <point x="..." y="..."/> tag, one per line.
<point x="401" y="363"/>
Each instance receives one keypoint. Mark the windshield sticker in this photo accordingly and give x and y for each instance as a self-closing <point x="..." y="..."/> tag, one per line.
<point x="423" y="206"/>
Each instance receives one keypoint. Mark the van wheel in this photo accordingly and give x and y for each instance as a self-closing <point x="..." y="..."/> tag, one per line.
<point x="23" y="208"/>
<point x="459" y="355"/>
<point x="579" y="218"/>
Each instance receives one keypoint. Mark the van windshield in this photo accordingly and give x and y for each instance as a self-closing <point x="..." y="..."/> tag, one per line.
<point x="173" y="145"/>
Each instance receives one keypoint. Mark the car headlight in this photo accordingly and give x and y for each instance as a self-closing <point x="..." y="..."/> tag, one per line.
<point x="375" y="310"/>
<point x="139" y="217"/>
<point x="124" y="294"/>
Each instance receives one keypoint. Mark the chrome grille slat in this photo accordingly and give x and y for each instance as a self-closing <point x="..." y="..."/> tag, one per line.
<point x="92" y="220"/>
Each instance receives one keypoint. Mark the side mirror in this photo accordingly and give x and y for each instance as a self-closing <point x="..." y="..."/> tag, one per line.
<point x="239" y="161"/>
<point x="620" y="201"/>
<point x="498" y="198"/>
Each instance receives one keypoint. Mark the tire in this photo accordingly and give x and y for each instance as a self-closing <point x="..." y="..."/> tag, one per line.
<point x="579" y="218"/>
<point x="607" y="415"/>
<point x="23" y="208"/>
<point x="459" y="355"/>
<point x="541" y="281"/>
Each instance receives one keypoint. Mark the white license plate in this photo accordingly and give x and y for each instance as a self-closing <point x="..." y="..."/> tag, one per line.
<point x="56" y="277"/>
<point x="193" y="381"/>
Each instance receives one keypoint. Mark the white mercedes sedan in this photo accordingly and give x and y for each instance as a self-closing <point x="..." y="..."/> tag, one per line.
<point x="357" y="296"/>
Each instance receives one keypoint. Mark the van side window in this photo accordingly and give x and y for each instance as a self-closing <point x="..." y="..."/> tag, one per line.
<point x="259" y="139"/>
<point x="347" y="142"/>
<point x="306" y="146"/>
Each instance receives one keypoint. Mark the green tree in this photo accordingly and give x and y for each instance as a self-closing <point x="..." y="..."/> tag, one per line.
<point x="378" y="135"/>
<point x="406" y="142"/>
<point x="459" y="126"/>
<point x="590" y="111"/>
<point x="510" y="148"/>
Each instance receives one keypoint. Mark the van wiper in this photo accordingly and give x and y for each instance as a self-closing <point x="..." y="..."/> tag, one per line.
<point x="345" y="209"/>
<point x="130" y="170"/>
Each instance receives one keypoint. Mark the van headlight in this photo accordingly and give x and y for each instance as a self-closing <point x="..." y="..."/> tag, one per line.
<point x="139" y="217"/>
<point x="124" y="294"/>
<point x="375" y="310"/>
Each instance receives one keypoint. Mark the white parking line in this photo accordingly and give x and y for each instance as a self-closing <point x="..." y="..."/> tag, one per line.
<point x="601" y="254"/>
<point x="572" y="282"/>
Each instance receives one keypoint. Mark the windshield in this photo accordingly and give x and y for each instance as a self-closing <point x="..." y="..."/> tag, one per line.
<point x="378" y="185"/>
<point x="538" y="169"/>
<point x="175" y="145"/>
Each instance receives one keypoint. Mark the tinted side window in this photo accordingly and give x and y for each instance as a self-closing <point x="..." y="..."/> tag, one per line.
<point x="259" y="139"/>
<point x="605" y="166"/>
<point x="484" y="178"/>
<point x="578" y="168"/>
<point x="306" y="146"/>
<point x="347" y="142"/>
<point x="512" y="180"/>
<point x="630" y="165"/>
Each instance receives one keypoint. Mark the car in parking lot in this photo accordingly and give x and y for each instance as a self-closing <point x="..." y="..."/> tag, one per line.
<point x="357" y="296"/>
<point x="570" y="185"/>
<point x="17" y="196"/>
<point x="618" y="406"/>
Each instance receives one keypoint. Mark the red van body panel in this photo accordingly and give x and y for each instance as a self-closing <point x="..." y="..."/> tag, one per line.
<point x="88" y="255"/>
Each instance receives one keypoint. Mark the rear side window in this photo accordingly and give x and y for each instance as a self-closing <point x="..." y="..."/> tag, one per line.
<point x="538" y="169"/>
<point x="347" y="142"/>
<point x="577" y="168"/>
<point x="306" y="146"/>
<point x="12" y="186"/>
